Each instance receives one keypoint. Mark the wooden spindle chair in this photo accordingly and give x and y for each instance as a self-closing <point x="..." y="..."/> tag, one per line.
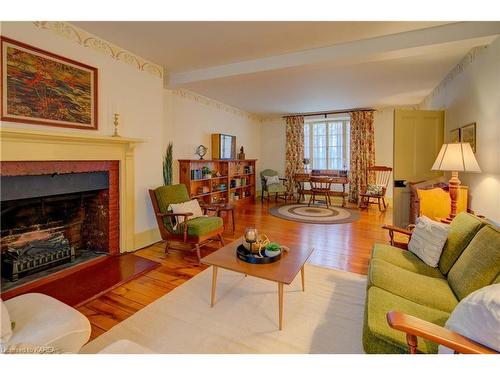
<point x="382" y="179"/>
<point x="320" y="185"/>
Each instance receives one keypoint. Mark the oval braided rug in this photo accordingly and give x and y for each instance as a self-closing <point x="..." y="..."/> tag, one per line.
<point x="315" y="214"/>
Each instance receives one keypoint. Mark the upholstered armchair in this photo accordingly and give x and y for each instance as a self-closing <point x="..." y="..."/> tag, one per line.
<point x="272" y="184"/>
<point x="195" y="231"/>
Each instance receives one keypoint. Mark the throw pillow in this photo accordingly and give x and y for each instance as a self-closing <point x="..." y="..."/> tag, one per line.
<point x="271" y="180"/>
<point x="192" y="206"/>
<point x="428" y="239"/>
<point x="477" y="317"/>
<point x="6" y="325"/>
<point x="374" y="189"/>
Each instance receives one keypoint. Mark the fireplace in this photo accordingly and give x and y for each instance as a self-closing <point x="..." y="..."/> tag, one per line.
<point x="56" y="214"/>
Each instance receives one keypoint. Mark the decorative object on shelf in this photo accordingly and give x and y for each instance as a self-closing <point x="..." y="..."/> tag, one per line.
<point x="455" y="135"/>
<point x="43" y="88"/>
<point x="201" y="151"/>
<point x="203" y="190"/>
<point x="241" y="155"/>
<point x="167" y="165"/>
<point x="307" y="163"/>
<point x="206" y="172"/>
<point x="454" y="158"/>
<point x="223" y="146"/>
<point x="116" y="122"/>
<point x="468" y="135"/>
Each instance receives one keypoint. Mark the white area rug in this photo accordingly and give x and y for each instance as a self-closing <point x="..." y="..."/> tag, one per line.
<point x="326" y="318"/>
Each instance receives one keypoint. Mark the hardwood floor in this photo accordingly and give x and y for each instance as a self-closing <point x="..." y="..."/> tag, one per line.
<point x="341" y="246"/>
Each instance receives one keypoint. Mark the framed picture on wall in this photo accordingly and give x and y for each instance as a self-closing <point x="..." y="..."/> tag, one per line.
<point x="468" y="134"/>
<point x="455" y="135"/>
<point x="39" y="87"/>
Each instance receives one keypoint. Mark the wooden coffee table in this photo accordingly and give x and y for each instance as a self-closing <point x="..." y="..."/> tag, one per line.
<point x="282" y="272"/>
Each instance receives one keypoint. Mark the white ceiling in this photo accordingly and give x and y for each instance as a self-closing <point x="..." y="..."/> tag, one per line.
<point x="288" y="67"/>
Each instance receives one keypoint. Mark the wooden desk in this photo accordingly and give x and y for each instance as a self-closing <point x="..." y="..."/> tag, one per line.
<point x="303" y="177"/>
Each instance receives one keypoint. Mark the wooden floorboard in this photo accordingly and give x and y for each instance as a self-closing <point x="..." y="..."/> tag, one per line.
<point x="341" y="246"/>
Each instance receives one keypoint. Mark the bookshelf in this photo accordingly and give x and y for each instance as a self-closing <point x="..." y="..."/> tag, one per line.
<point x="233" y="182"/>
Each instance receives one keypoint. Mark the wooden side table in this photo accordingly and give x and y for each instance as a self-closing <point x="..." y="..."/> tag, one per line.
<point x="222" y="207"/>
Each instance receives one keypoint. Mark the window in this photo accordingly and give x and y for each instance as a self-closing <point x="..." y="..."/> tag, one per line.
<point x="326" y="143"/>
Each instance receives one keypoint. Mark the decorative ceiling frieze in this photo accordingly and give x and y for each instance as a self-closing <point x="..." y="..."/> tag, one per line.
<point x="88" y="40"/>
<point x="456" y="71"/>
<point x="187" y="94"/>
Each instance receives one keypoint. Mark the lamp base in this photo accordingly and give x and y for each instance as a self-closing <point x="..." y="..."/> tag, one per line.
<point x="453" y="184"/>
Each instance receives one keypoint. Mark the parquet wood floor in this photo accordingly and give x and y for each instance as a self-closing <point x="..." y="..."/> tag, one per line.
<point x="341" y="246"/>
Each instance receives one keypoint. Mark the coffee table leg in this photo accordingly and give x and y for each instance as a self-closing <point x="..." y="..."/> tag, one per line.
<point x="214" y="284"/>
<point x="280" y="300"/>
<point x="302" y="274"/>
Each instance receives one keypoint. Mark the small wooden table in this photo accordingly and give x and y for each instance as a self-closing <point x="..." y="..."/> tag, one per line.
<point x="282" y="272"/>
<point x="220" y="207"/>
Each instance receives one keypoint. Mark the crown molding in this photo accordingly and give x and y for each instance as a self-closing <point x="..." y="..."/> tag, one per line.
<point x="187" y="94"/>
<point x="88" y="40"/>
<point x="455" y="72"/>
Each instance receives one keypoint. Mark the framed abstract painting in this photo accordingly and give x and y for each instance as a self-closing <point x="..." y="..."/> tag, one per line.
<point x="39" y="87"/>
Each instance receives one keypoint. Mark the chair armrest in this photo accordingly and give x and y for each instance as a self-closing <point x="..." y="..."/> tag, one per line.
<point x="392" y="229"/>
<point x="283" y="179"/>
<point x="171" y="214"/>
<point x="415" y="327"/>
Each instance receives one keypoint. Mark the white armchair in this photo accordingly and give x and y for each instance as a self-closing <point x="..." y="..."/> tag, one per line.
<point x="43" y="321"/>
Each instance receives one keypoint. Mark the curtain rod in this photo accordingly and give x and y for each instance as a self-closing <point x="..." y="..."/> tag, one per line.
<point x="308" y="114"/>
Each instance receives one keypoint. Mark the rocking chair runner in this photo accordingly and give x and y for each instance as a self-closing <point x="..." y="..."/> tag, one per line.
<point x="197" y="231"/>
<point x="375" y="191"/>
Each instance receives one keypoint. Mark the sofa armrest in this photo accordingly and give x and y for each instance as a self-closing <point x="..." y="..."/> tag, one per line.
<point x="415" y="327"/>
<point x="393" y="229"/>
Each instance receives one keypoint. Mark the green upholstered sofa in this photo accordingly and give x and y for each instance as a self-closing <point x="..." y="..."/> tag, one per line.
<point x="399" y="281"/>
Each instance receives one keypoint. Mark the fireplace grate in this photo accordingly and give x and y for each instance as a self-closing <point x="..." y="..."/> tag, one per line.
<point x="36" y="256"/>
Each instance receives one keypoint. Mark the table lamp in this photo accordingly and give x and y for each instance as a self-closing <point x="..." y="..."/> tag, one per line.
<point x="454" y="158"/>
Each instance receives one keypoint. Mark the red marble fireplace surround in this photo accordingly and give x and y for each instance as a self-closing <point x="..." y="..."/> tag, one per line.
<point x="23" y="168"/>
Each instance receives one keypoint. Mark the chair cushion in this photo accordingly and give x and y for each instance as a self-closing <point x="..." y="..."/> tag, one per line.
<point x="478" y="265"/>
<point x="428" y="239"/>
<point x="170" y="194"/>
<point x="379" y="337"/>
<point x="429" y="291"/>
<point x="276" y="188"/>
<point x="202" y="225"/>
<point x="44" y="321"/>
<point x="6" y="324"/>
<point x="462" y="229"/>
<point x="403" y="259"/>
<point x="374" y="189"/>
<point x="477" y="317"/>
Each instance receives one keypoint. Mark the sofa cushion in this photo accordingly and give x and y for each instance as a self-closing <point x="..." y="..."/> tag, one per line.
<point x="44" y="321"/>
<point x="202" y="225"/>
<point x="462" y="229"/>
<point x="478" y="265"/>
<point x="429" y="291"/>
<point x="404" y="259"/>
<point x="379" y="337"/>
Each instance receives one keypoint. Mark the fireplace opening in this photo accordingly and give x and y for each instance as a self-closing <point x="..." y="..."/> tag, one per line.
<point x="51" y="222"/>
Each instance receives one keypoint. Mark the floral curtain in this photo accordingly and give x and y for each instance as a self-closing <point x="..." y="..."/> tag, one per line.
<point x="362" y="152"/>
<point x="294" y="148"/>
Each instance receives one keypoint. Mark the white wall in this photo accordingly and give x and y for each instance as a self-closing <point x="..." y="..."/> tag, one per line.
<point x="474" y="96"/>
<point x="273" y="139"/>
<point x="189" y="122"/>
<point x="136" y="95"/>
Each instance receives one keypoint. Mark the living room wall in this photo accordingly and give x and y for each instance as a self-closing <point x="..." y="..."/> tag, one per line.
<point x="190" y="119"/>
<point x="136" y="95"/>
<point x="471" y="93"/>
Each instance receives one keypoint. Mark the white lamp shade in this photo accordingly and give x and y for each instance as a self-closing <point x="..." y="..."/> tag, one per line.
<point x="456" y="157"/>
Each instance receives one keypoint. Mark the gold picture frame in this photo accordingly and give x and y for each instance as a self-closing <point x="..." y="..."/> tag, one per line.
<point x="455" y="135"/>
<point x="468" y="134"/>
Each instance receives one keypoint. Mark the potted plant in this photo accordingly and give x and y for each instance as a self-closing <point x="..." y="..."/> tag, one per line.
<point x="206" y="172"/>
<point x="167" y="165"/>
<point x="272" y="250"/>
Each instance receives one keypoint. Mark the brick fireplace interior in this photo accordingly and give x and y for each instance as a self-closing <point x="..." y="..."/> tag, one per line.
<point x="56" y="215"/>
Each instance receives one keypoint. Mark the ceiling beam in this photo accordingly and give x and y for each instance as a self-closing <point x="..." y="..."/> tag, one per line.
<point x="404" y="44"/>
